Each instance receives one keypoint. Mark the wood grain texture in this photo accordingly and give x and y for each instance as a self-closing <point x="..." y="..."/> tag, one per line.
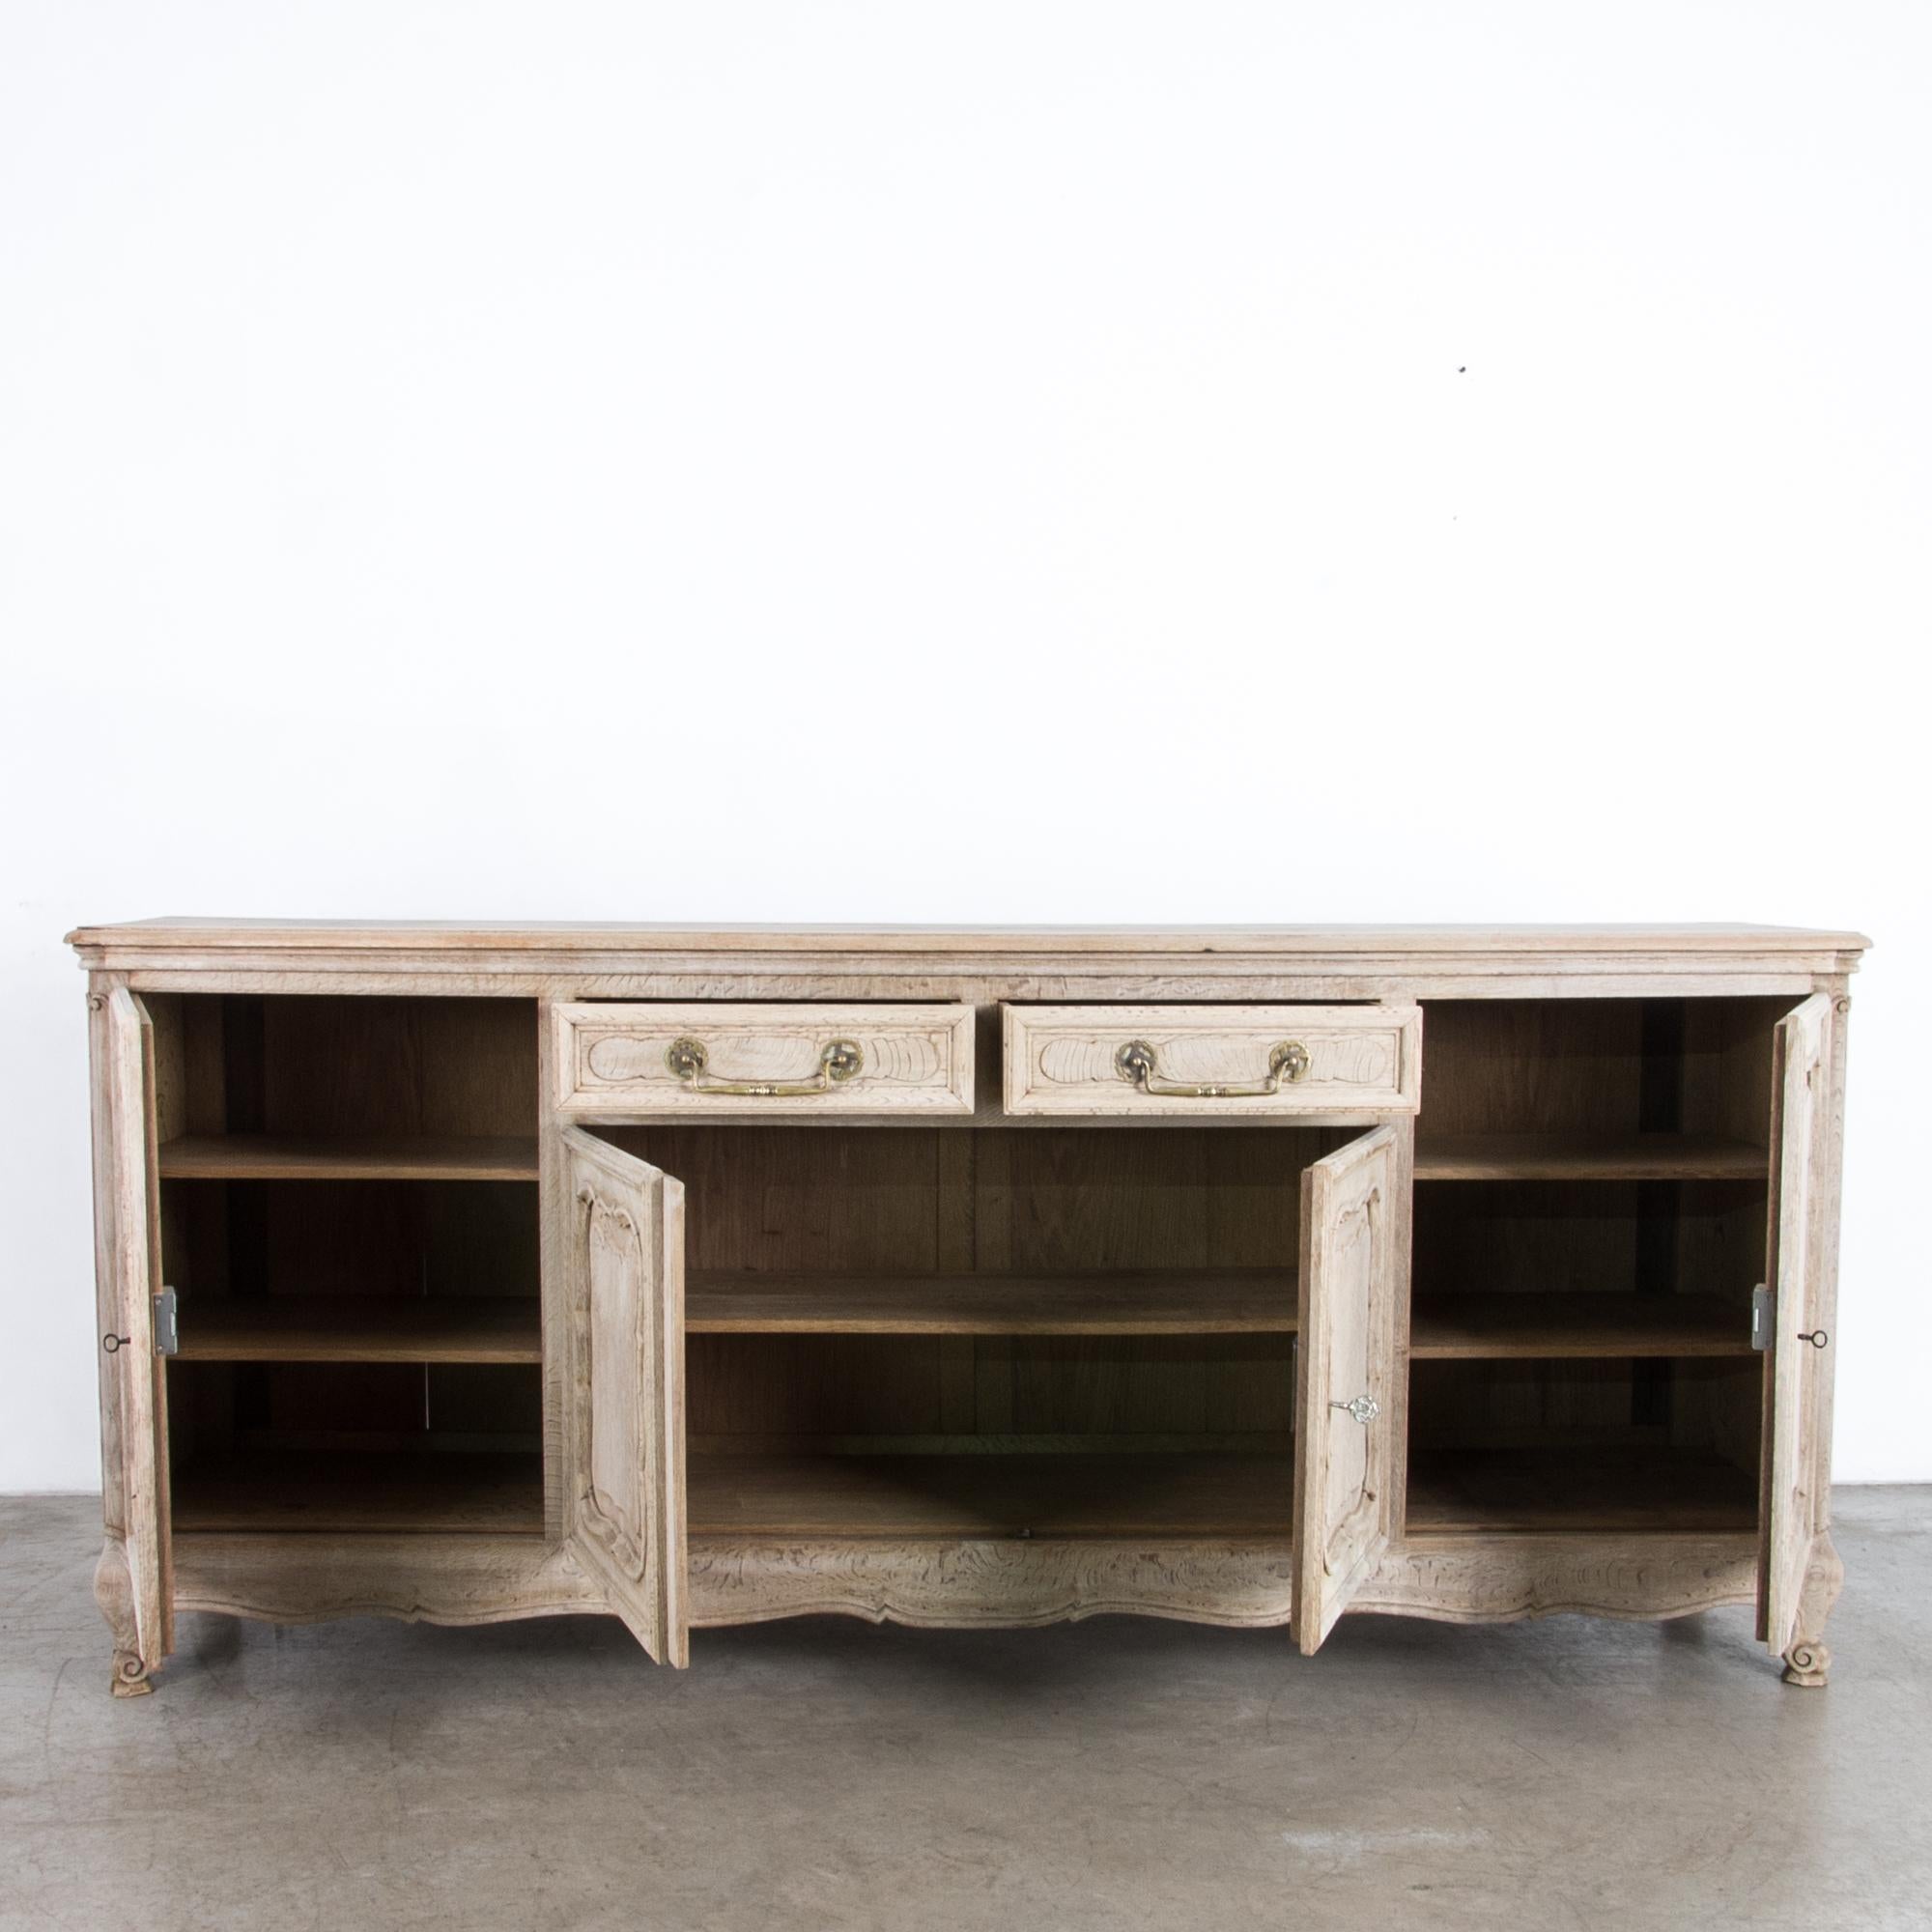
<point x="556" y="1233"/>
<point x="1503" y="1578"/>
<point x="915" y="1202"/>
<point x="1244" y="1302"/>
<point x="1816" y="1603"/>
<point x="1801" y="1137"/>
<point x="1558" y="1068"/>
<point x="1561" y="1324"/>
<point x="391" y="936"/>
<point x="127" y="1275"/>
<point x="379" y="1064"/>
<point x="457" y="1578"/>
<point x="1351" y="1284"/>
<point x="1531" y="1156"/>
<point x="987" y="1585"/>
<point x="1608" y="1490"/>
<point x="988" y="982"/>
<point x="1254" y="965"/>
<point x="362" y="1328"/>
<point x="350" y="1157"/>
<point x="1532" y="1236"/>
<point x="1008" y="1584"/>
<point x="950" y="1497"/>
<point x="1061" y="1059"/>
<point x="611" y="1059"/>
<point x="824" y="1198"/>
<point x="625" y="1262"/>
<point x="861" y="1389"/>
<point x="344" y="1491"/>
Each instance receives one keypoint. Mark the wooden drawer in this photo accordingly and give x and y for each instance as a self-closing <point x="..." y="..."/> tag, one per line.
<point x="1213" y="1062"/>
<point x="718" y="1060"/>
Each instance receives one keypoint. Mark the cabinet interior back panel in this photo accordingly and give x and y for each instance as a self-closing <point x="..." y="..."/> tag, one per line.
<point x="1545" y="1236"/>
<point x="299" y="1065"/>
<point x="967" y="1392"/>
<point x="1014" y="1200"/>
<point x="1607" y="1068"/>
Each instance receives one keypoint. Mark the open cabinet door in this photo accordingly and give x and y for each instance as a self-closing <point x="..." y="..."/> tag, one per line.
<point x="625" y="1510"/>
<point x="1345" y="1398"/>
<point x="1797" y="1376"/>
<point x="134" y="1581"/>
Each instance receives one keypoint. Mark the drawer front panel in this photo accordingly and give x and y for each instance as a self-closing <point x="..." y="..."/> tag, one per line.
<point x="1224" y="1063"/>
<point x="723" y="1061"/>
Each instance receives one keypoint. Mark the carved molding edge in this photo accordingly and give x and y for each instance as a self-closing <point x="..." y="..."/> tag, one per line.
<point x="1507" y="1579"/>
<point x="1003" y="1583"/>
<point x="301" y="1579"/>
<point x="608" y="1224"/>
<point x="1361" y="1221"/>
<point x="994" y="1584"/>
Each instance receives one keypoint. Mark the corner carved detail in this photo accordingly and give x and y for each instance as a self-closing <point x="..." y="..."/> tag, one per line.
<point x="1807" y="1663"/>
<point x="114" y="1592"/>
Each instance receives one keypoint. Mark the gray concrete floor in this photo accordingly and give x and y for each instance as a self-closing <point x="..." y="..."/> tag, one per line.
<point x="1113" y="1774"/>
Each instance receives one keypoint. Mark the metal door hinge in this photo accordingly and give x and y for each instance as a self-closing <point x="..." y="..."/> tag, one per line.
<point x="1763" y="1307"/>
<point x="167" y="1323"/>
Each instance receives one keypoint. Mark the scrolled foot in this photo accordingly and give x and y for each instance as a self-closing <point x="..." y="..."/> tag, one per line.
<point x="130" y="1676"/>
<point x="1808" y="1665"/>
<point x="114" y="1592"/>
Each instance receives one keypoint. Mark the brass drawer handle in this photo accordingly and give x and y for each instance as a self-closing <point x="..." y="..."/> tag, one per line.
<point x="838" y="1061"/>
<point x="1134" y="1063"/>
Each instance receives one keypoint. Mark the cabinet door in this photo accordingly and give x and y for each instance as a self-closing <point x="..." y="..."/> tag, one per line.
<point x="1798" y="1373"/>
<point x="128" y="1268"/>
<point x="625" y="1514"/>
<point x="1346" y="1397"/>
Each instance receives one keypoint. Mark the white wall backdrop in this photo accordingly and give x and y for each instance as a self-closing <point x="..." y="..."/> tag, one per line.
<point x="1043" y="461"/>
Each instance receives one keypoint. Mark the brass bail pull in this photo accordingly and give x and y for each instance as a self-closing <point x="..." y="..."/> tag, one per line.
<point x="838" y="1061"/>
<point x="1137" y="1064"/>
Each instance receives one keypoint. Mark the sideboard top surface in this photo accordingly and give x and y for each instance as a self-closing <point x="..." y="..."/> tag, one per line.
<point x="388" y="936"/>
<point x="978" y="963"/>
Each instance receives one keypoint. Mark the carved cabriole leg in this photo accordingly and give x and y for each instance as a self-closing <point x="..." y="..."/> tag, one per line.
<point x="114" y="1592"/>
<point x="1808" y="1661"/>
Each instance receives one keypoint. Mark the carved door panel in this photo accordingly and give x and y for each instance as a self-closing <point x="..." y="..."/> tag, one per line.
<point x="1798" y="1373"/>
<point x="1346" y="1398"/>
<point x="134" y="1390"/>
<point x="625" y="1505"/>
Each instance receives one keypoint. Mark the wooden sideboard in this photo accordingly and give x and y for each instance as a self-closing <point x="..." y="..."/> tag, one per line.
<point x="965" y="1278"/>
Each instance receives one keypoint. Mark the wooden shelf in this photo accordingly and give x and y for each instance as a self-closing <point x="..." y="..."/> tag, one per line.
<point x="276" y="1158"/>
<point x="992" y="1495"/>
<point x="1242" y="1301"/>
<point x="1489" y="1327"/>
<point x="1580" y="1158"/>
<point x="1610" y="1490"/>
<point x="361" y="1329"/>
<point x="435" y="1493"/>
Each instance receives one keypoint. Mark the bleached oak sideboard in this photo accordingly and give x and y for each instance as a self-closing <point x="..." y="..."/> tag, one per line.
<point x="965" y="1278"/>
